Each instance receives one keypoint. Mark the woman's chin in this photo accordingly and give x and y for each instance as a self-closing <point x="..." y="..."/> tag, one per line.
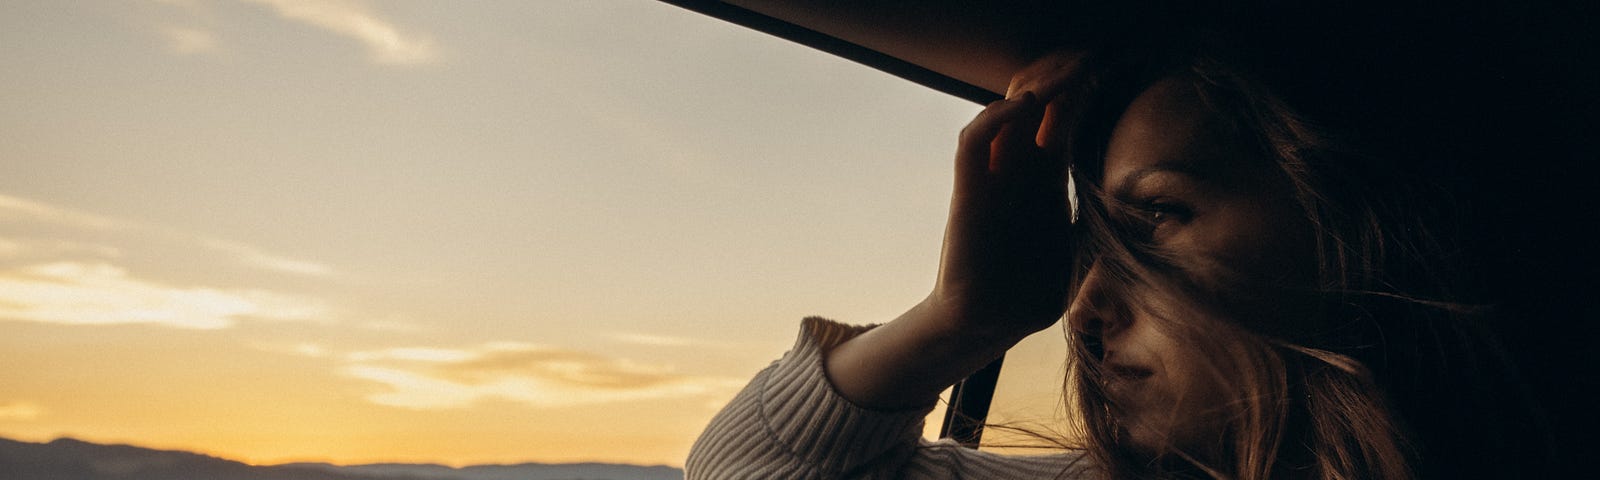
<point x="1157" y="441"/>
<point x="1146" y="440"/>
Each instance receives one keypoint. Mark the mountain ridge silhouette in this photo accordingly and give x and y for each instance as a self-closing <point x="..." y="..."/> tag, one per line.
<point x="72" y="459"/>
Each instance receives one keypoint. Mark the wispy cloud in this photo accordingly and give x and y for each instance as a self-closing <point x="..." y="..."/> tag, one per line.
<point x="189" y="40"/>
<point x="385" y="42"/>
<point x="102" y="294"/>
<point x="436" y="378"/>
<point x="393" y="326"/>
<point x="414" y="354"/>
<point x="301" y="349"/>
<point x="20" y="210"/>
<point x="19" y="411"/>
<point x="674" y="341"/>
<point x="17" y="248"/>
<point x="255" y="257"/>
<point x="73" y="272"/>
<point x="653" y="340"/>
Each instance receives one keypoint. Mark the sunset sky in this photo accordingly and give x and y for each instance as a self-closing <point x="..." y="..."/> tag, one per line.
<point x="429" y="231"/>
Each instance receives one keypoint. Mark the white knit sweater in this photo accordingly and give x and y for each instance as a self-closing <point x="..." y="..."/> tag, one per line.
<point x="789" y="423"/>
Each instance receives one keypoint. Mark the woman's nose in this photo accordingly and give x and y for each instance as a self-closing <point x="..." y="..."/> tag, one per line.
<point x="1095" y="310"/>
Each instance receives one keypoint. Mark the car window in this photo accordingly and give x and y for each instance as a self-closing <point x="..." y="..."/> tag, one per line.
<point x="1028" y="410"/>
<point x="486" y="232"/>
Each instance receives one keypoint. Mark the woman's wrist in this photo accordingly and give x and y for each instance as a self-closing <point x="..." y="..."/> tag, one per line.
<point x="908" y="362"/>
<point x="969" y="326"/>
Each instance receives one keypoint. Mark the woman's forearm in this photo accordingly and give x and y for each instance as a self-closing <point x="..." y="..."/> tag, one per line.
<point x="908" y="362"/>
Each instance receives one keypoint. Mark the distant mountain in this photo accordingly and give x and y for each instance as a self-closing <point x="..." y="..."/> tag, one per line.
<point x="69" y="459"/>
<point x="525" y="471"/>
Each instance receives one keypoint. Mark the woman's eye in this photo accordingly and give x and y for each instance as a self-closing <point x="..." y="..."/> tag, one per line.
<point x="1157" y="213"/>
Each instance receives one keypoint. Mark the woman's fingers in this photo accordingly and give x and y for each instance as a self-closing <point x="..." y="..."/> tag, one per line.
<point x="1048" y="76"/>
<point x="1056" y="78"/>
<point x="1013" y="151"/>
<point x="974" y="155"/>
<point x="1058" y="120"/>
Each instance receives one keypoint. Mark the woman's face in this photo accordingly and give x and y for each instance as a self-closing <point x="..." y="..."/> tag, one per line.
<point x="1226" y="221"/>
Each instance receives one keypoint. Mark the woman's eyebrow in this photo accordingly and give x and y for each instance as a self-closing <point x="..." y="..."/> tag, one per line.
<point x="1124" y="189"/>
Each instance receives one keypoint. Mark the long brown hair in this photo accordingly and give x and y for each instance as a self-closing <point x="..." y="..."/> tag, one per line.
<point x="1398" y="378"/>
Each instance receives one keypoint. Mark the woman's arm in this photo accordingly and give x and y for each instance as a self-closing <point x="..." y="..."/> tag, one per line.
<point x="789" y="422"/>
<point x="848" y="404"/>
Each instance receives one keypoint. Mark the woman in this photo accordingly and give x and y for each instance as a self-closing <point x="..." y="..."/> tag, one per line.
<point x="1250" y="295"/>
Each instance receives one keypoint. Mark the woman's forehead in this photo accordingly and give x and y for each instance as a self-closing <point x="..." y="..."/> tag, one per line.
<point x="1166" y="127"/>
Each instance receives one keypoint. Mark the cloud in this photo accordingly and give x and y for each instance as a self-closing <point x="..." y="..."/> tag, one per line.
<point x="101" y="294"/>
<point x="673" y="341"/>
<point x="19" y="210"/>
<point x="653" y="340"/>
<point x="394" y="326"/>
<point x="13" y="209"/>
<point x="302" y="349"/>
<point x="255" y="257"/>
<point x="71" y="272"/>
<point x="19" y="411"/>
<point x="419" y="354"/>
<point x="564" y="367"/>
<point x="189" y="41"/>
<point x="385" y="42"/>
<point x="435" y="378"/>
<point x="14" y="248"/>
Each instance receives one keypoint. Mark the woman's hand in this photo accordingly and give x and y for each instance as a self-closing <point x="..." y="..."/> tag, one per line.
<point x="1005" y="267"/>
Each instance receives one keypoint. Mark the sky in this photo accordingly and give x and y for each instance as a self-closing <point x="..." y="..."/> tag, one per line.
<point x="425" y="231"/>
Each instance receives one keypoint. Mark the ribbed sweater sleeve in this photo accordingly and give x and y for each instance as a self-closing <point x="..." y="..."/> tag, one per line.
<point x="789" y="423"/>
